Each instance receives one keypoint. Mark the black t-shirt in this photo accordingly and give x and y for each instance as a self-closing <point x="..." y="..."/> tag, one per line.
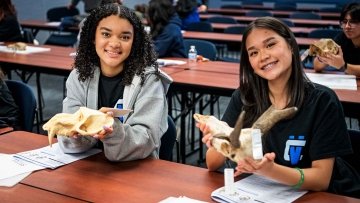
<point x="317" y="131"/>
<point x="350" y="52"/>
<point x="111" y="89"/>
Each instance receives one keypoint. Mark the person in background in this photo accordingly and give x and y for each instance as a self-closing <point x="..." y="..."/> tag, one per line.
<point x="9" y="25"/>
<point x="347" y="59"/>
<point x="202" y="6"/>
<point x="118" y="69"/>
<point x="272" y="75"/>
<point x="141" y="11"/>
<point x="89" y="5"/>
<point x="188" y="12"/>
<point x="165" y="29"/>
<point x="9" y="111"/>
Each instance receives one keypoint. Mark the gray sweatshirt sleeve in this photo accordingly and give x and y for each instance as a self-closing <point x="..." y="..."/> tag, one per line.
<point x="75" y="98"/>
<point x="139" y="137"/>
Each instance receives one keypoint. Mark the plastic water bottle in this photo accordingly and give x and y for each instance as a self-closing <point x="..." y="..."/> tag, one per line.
<point x="192" y="55"/>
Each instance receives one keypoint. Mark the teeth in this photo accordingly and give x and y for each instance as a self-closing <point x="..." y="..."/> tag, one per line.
<point x="268" y="66"/>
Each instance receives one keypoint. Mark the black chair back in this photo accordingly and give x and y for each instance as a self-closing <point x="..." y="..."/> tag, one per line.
<point x="57" y="13"/>
<point x="258" y="13"/>
<point x="25" y="99"/>
<point x="201" y="26"/>
<point x="205" y="48"/>
<point x="324" y="33"/>
<point x="168" y="141"/>
<point x="222" y="19"/>
<point x="305" y="15"/>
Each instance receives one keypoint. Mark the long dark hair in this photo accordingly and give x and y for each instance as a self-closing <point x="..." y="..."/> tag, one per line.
<point x="159" y="14"/>
<point x="254" y="89"/>
<point x="142" y="52"/>
<point x="353" y="9"/>
<point x="6" y="8"/>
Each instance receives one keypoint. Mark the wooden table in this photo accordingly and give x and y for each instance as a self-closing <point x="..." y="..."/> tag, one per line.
<point x="95" y="179"/>
<point x="276" y="13"/>
<point x="5" y="130"/>
<point x="237" y="38"/>
<point x="296" y="30"/>
<point x="298" y="22"/>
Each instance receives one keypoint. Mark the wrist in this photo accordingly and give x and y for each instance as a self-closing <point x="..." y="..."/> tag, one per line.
<point x="344" y="67"/>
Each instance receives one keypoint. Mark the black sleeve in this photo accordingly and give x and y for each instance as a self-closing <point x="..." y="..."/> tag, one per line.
<point x="9" y="111"/>
<point x="233" y="109"/>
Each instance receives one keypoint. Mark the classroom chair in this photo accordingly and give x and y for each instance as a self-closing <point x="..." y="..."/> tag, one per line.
<point x="324" y="33"/>
<point x="258" y="13"/>
<point x="168" y="141"/>
<point x="285" y="6"/>
<point x="233" y="49"/>
<point x="60" y="38"/>
<point x="231" y="6"/>
<point x="305" y="15"/>
<point x="25" y="99"/>
<point x="222" y="19"/>
<point x="201" y="26"/>
<point x="205" y="48"/>
<point x="288" y="22"/>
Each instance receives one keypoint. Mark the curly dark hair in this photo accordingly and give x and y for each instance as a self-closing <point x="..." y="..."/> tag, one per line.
<point x="142" y="52"/>
<point x="254" y="89"/>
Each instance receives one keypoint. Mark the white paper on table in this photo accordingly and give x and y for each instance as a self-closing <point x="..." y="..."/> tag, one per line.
<point x="29" y="50"/>
<point x="256" y="188"/>
<point x="334" y="81"/>
<point x="169" y="62"/>
<point x="9" y="182"/>
<point x="55" y="24"/>
<point x="181" y="199"/>
<point x="53" y="157"/>
<point x="13" y="170"/>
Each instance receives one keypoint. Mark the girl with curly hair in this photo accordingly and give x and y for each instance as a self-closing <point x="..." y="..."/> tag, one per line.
<point x="115" y="66"/>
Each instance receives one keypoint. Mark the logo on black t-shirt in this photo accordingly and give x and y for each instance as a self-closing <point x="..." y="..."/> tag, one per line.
<point x="293" y="149"/>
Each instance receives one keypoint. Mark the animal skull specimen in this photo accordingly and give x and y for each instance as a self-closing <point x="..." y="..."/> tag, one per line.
<point x="83" y="122"/>
<point x="323" y="46"/>
<point x="236" y="143"/>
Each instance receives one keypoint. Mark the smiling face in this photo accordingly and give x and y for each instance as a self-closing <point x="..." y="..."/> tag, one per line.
<point x="113" y="41"/>
<point x="269" y="54"/>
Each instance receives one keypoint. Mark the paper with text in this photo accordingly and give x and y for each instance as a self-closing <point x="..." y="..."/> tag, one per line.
<point x="13" y="170"/>
<point x="258" y="189"/>
<point x="53" y="157"/>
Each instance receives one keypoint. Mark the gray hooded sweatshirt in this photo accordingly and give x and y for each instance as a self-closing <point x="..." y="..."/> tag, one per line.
<point x="139" y="136"/>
